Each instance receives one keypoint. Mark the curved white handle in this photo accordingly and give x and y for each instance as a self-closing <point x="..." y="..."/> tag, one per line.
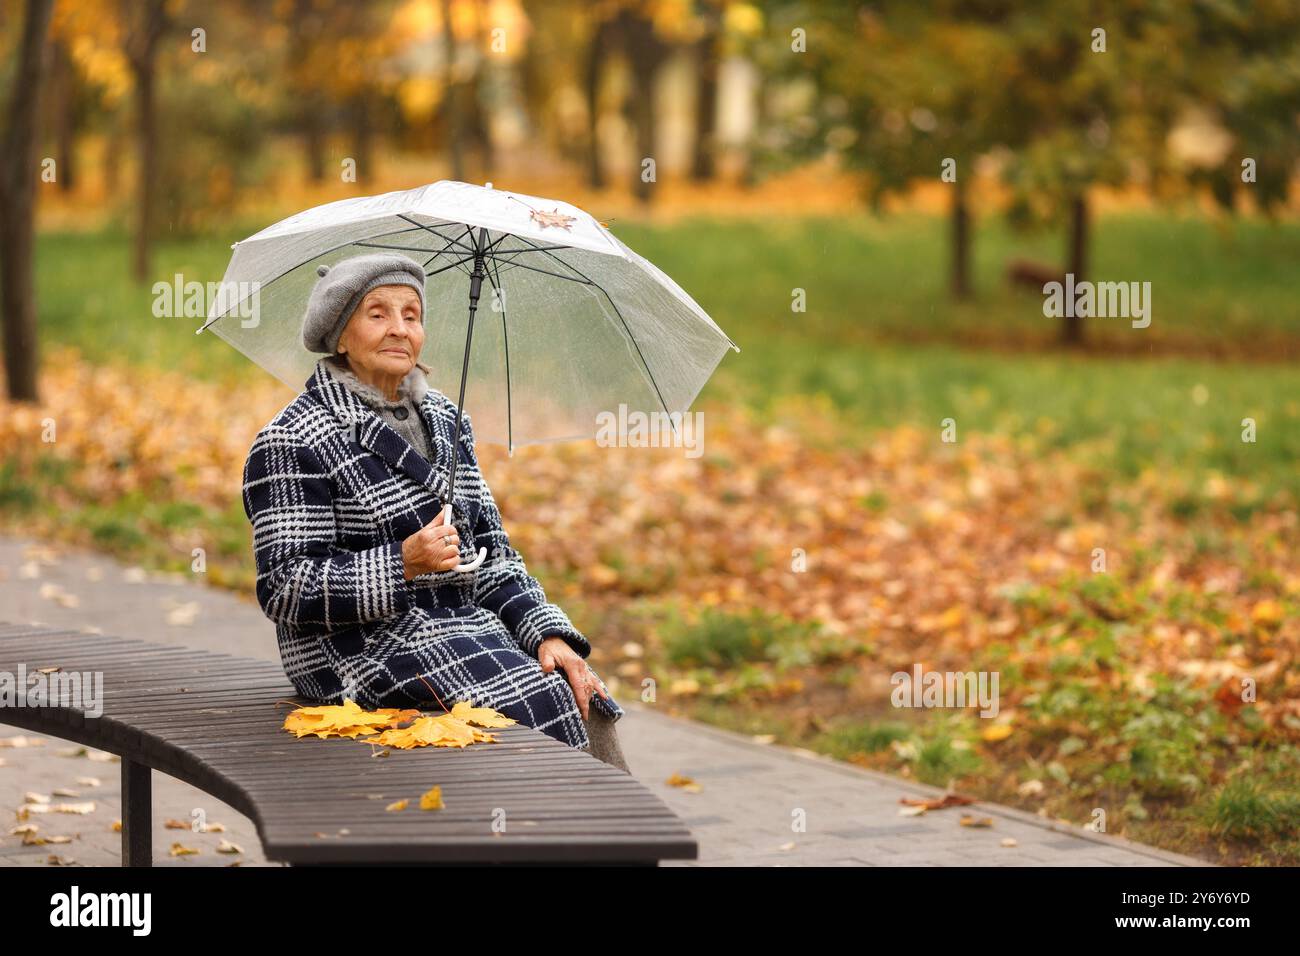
<point x="482" y="552"/>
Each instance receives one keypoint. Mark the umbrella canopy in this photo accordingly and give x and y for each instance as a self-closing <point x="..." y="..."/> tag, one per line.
<point x="573" y="323"/>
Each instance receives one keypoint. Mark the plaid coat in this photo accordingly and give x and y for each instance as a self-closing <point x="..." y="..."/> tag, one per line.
<point x="331" y="491"/>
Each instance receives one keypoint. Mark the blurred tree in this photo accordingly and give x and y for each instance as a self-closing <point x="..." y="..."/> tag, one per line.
<point x="708" y="53"/>
<point x="1246" y="69"/>
<point x="899" y="91"/>
<point x="18" y="177"/>
<point x="65" y="111"/>
<point x="145" y="22"/>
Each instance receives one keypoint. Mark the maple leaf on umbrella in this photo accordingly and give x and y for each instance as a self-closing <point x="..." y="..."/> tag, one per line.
<point x="552" y="218"/>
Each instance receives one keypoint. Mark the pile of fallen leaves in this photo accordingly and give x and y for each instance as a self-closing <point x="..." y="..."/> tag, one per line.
<point x="458" y="727"/>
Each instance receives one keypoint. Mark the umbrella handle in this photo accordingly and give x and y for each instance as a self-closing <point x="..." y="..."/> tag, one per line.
<point x="482" y="552"/>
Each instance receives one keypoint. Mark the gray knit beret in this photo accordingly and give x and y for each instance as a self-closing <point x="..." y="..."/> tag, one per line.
<point x="341" y="287"/>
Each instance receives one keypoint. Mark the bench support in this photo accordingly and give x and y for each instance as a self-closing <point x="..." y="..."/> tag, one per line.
<point x="137" y="814"/>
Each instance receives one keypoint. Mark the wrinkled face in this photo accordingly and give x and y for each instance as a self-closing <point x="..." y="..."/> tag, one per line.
<point x="386" y="332"/>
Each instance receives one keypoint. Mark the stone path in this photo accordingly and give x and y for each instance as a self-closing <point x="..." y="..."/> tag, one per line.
<point x="751" y="797"/>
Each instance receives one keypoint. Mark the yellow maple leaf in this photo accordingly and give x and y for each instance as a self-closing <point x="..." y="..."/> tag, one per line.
<point x="397" y="805"/>
<point x="344" y="720"/>
<point x="443" y="731"/>
<point x="482" y="716"/>
<point x="179" y="850"/>
<point x="432" y="800"/>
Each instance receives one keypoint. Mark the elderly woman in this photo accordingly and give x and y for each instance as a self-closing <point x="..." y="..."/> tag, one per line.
<point x="345" y="490"/>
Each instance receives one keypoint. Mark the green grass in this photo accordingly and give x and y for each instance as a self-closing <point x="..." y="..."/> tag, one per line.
<point x="872" y="284"/>
<point x="868" y="279"/>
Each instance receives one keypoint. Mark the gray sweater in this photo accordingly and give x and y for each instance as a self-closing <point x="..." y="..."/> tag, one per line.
<point x="403" y="415"/>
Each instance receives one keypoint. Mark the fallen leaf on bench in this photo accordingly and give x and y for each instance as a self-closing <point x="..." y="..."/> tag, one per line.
<point x="397" y="805"/>
<point x="225" y="846"/>
<point x="344" y="720"/>
<point x="179" y="850"/>
<point x="212" y="828"/>
<point x="432" y="800"/>
<point x="175" y="825"/>
<point x="117" y="826"/>
<point x="480" y="716"/>
<point x="444" y="731"/>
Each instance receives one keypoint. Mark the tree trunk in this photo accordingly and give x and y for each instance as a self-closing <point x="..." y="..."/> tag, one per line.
<point x="148" y="22"/>
<point x="1072" y="327"/>
<point x="147" y="154"/>
<point x="17" y="202"/>
<point x="645" y="52"/>
<point x="453" y="123"/>
<point x="305" y="30"/>
<point x="597" y="53"/>
<point x="63" y="90"/>
<point x="363" y="131"/>
<point x="961" y="288"/>
<point x="481" y="117"/>
<point x="704" y="165"/>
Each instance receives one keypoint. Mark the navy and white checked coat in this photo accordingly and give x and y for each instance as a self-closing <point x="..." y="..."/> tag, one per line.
<point x="331" y="491"/>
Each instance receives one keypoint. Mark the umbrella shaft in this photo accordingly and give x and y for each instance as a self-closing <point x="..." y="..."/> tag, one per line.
<point x="475" y="287"/>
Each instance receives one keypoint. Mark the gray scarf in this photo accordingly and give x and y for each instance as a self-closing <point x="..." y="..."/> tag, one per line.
<point x="410" y="392"/>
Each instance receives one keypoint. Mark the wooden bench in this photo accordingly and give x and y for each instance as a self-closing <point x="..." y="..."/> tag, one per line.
<point x="214" y="721"/>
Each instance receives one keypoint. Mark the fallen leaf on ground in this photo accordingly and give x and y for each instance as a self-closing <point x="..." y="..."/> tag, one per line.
<point x="686" y="783"/>
<point x="937" y="803"/>
<point x="432" y="800"/>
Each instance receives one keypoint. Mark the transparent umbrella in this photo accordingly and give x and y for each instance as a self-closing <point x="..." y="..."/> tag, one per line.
<point x="577" y="324"/>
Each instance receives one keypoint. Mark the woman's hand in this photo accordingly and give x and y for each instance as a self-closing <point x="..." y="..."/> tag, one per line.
<point x="555" y="652"/>
<point x="435" y="547"/>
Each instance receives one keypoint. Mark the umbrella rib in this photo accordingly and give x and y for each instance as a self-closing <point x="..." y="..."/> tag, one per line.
<point x="626" y="328"/>
<point x="520" y="265"/>
<point x="342" y="245"/>
<point x="453" y="265"/>
<point x="428" y="228"/>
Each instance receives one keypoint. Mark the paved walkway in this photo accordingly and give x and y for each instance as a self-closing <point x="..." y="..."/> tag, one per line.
<point x="750" y="794"/>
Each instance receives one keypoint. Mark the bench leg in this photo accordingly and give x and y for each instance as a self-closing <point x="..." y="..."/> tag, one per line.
<point x="137" y="814"/>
